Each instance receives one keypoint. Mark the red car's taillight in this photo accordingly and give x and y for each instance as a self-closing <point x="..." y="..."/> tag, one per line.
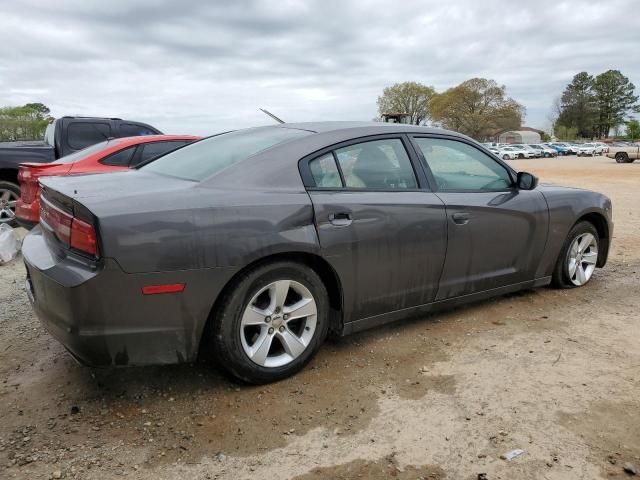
<point x="70" y="230"/>
<point x="29" y="187"/>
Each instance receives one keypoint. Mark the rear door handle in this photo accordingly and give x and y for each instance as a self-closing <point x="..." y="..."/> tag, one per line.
<point x="340" y="219"/>
<point x="461" y="218"/>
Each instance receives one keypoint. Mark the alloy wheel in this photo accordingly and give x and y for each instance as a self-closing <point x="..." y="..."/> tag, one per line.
<point x="278" y="323"/>
<point x="583" y="255"/>
<point x="8" y="200"/>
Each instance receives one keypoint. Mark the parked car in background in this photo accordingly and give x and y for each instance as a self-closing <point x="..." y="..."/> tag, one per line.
<point x="519" y="151"/>
<point x="562" y="148"/>
<point x="624" y="153"/>
<point x="503" y="154"/>
<point x="586" y="149"/>
<point x="254" y="244"/>
<point x="536" y="153"/>
<point x="107" y="156"/>
<point x="545" y="151"/>
<point x="62" y="137"/>
<point x="604" y="148"/>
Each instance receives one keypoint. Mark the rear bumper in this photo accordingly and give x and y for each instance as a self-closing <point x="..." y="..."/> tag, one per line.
<point x="99" y="314"/>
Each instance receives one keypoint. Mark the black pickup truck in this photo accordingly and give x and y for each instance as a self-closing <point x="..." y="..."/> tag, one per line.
<point x="63" y="136"/>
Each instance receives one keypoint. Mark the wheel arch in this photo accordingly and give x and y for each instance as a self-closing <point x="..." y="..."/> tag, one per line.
<point x="9" y="175"/>
<point x="599" y="221"/>
<point x="318" y="264"/>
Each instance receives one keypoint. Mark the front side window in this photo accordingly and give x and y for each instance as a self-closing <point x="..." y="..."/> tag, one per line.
<point x="134" y="130"/>
<point x="378" y="164"/>
<point x="207" y="157"/>
<point x="83" y="134"/>
<point x="459" y="166"/>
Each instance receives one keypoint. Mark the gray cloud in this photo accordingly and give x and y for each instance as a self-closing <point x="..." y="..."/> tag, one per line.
<point x="199" y="67"/>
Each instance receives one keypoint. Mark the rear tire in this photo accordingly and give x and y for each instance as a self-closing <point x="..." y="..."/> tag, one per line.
<point x="9" y="193"/>
<point x="622" y="157"/>
<point x="250" y="336"/>
<point x="566" y="273"/>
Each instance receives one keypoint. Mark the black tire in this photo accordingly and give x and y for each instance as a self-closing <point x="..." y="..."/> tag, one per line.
<point x="521" y="155"/>
<point x="560" y="277"/>
<point x="505" y="157"/>
<point x="224" y="332"/>
<point x="622" y="157"/>
<point x="11" y="187"/>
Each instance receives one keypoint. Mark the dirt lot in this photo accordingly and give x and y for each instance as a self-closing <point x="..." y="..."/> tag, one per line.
<point x="555" y="373"/>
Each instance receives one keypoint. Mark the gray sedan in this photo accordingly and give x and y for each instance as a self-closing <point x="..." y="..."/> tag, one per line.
<point x="253" y="245"/>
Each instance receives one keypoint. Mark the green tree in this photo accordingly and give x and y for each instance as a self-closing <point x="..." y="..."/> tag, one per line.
<point x="615" y="100"/>
<point x="477" y="107"/>
<point x="578" y="106"/>
<point x="409" y="97"/>
<point x="27" y="122"/>
<point x="565" y="133"/>
<point x="633" y="130"/>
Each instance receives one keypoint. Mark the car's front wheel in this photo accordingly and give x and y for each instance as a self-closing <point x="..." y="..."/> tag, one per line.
<point x="578" y="257"/>
<point x="505" y="157"/>
<point x="270" y="323"/>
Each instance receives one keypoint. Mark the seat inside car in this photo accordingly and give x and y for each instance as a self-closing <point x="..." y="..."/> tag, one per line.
<point x="372" y="169"/>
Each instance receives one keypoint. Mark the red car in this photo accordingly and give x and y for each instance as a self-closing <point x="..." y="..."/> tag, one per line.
<point x="108" y="156"/>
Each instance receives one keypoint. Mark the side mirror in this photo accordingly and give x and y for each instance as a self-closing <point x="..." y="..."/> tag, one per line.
<point x="527" y="181"/>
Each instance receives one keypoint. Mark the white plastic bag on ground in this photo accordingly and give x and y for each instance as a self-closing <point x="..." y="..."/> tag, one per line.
<point x="9" y="244"/>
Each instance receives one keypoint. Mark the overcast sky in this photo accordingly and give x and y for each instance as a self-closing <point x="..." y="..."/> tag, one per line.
<point x="200" y="67"/>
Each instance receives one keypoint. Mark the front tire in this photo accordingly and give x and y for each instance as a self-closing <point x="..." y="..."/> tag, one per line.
<point x="578" y="257"/>
<point x="505" y="157"/>
<point x="270" y="323"/>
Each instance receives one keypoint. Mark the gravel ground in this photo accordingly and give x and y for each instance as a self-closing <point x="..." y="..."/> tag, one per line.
<point x="555" y="373"/>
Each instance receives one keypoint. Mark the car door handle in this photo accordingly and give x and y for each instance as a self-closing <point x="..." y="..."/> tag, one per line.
<point x="340" y="219"/>
<point x="461" y="218"/>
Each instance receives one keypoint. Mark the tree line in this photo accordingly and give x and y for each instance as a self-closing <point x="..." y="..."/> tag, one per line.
<point x="478" y="107"/>
<point x="594" y="106"/>
<point x="27" y="122"/>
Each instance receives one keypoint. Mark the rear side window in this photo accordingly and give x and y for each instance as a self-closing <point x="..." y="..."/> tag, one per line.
<point x="155" y="149"/>
<point x="83" y="134"/>
<point x="207" y="157"/>
<point x="325" y="172"/>
<point x="121" y="158"/>
<point x="133" y="130"/>
<point x="378" y="164"/>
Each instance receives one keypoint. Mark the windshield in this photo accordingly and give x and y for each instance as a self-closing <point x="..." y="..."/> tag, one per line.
<point x="85" y="152"/>
<point x="207" y="157"/>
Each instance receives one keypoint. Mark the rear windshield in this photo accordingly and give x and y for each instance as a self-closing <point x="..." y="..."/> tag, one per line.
<point x="85" y="152"/>
<point x="211" y="155"/>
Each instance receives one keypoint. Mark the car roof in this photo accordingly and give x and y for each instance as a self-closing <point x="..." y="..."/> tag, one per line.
<point x="136" y="140"/>
<point x="375" y="127"/>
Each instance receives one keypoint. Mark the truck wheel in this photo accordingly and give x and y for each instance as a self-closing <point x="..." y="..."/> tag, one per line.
<point x="9" y="194"/>
<point x="622" y="157"/>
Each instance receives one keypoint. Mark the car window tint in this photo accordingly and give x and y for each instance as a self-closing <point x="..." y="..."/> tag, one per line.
<point x="155" y="149"/>
<point x="458" y="166"/>
<point x="120" y="159"/>
<point x="325" y="172"/>
<point x="84" y="134"/>
<point x="133" y="130"/>
<point x="378" y="164"/>
<point x="84" y="153"/>
<point x="207" y="157"/>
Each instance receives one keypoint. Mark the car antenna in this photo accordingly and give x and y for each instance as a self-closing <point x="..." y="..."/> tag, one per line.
<point x="266" y="112"/>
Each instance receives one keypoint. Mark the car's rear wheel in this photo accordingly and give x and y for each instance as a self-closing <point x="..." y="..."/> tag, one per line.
<point x="622" y="157"/>
<point x="270" y="323"/>
<point x="9" y="194"/>
<point x="578" y="257"/>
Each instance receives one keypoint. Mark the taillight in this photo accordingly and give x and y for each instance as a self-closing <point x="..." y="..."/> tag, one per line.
<point x="29" y="187"/>
<point x="70" y="230"/>
<point x="83" y="237"/>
